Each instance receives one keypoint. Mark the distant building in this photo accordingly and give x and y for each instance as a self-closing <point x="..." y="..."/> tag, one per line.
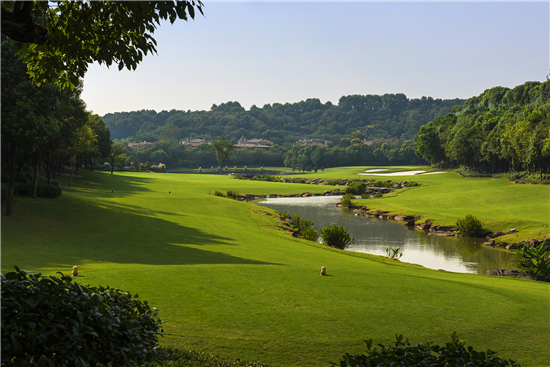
<point x="194" y="143"/>
<point x="253" y="143"/>
<point x="143" y="144"/>
<point x="313" y="142"/>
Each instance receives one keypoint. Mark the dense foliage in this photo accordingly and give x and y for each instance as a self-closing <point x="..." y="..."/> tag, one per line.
<point x="534" y="261"/>
<point x="500" y="130"/>
<point x="469" y="226"/>
<point x="402" y="353"/>
<point x="336" y="236"/>
<point x="43" y="126"/>
<point x="51" y="321"/>
<point x="346" y="200"/>
<point x="356" y="116"/>
<point x="59" y="41"/>
<point x="356" y="188"/>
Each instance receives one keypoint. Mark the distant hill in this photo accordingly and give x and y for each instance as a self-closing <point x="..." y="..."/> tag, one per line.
<point x="500" y="130"/>
<point x="355" y="116"/>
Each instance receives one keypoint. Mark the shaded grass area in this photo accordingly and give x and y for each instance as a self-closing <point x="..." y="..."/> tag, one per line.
<point x="226" y="281"/>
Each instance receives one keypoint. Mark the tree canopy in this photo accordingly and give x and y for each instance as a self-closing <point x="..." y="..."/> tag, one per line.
<point x="58" y="40"/>
<point x="500" y="130"/>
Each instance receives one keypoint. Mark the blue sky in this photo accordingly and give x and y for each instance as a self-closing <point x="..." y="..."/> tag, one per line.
<point x="267" y="52"/>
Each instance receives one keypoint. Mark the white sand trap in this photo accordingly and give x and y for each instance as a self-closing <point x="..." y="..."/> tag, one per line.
<point x="376" y="170"/>
<point x="432" y="173"/>
<point x="404" y="173"/>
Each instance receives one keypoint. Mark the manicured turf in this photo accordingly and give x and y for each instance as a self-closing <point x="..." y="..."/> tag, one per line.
<point x="226" y="281"/>
<point x="446" y="197"/>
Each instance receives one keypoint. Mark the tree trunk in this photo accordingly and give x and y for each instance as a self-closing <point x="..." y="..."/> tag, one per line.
<point x="11" y="185"/>
<point x="35" y="178"/>
<point x="72" y="169"/>
<point x="91" y="165"/>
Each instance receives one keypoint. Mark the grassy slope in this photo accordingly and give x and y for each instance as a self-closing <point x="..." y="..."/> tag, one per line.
<point x="225" y="281"/>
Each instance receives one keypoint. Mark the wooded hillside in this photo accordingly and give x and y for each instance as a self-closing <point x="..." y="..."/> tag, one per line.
<point x="500" y="130"/>
<point x="355" y="116"/>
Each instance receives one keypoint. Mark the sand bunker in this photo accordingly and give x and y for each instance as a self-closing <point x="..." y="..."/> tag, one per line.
<point x="376" y="170"/>
<point x="404" y="173"/>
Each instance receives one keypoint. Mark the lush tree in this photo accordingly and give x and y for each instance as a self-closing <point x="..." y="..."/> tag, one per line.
<point x="170" y="134"/>
<point x="223" y="148"/>
<point x="103" y="136"/>
<point x="117" y="151"/>
<point x="59" y="42"/>
<point x="28" y="115"/>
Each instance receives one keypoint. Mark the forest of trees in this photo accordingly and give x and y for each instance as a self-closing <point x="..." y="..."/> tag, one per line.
<point x="363" y="117"/>
<point x="501" y="130"/>
<point x="346" y="125"/>
<point x="43" y="127"/>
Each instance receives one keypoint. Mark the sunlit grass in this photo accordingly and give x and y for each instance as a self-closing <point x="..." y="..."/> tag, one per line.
<point x="227" y="281"/>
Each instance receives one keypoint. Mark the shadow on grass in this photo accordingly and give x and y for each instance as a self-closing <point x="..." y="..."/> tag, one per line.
<point x="106" y="185"/>
<point x="73" y="231"/>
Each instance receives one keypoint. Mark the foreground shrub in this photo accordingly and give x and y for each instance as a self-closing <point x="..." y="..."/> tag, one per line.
<point x="534" y="262"/>
<point x="469" y="226"/>
<point x="218" y="193"/>
<point x="421" y="355"/>
<point x="336" y="236"/>
<point x="50" y="321"/>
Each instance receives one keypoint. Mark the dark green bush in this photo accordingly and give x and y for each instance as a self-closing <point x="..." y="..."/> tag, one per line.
<point x="51" y="321"/>
<point x="48" y="191"/>
<point x="403" y="354"/>
<point x="218" y="193"/>
<point x="356" y="188"/>
<point x="266" y="178"/>
<point x="42" y="190"/>
<point x="232" y="194"/>
<point x="346" y="200"/>
<point x="534" y="262"/>
<point x="469" y="226"/>
<point x="45" y="180"/>
<point x="22" y="177"/>
<point x="5" y="177"/>
<point x="22" y="189"/>
<point x="381" y="184"/>
<point x="298" y="180"/>
<point x="336" y="236"/>
<point x="309" y="234"/>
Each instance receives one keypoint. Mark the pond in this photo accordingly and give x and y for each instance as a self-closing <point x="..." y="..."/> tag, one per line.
<point x="373" y="236"/>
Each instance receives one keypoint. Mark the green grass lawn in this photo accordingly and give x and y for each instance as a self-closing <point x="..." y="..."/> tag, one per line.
<point x="226" y="281"/>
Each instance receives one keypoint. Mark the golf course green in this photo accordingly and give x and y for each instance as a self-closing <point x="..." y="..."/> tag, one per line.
<point x="226" y="280"/>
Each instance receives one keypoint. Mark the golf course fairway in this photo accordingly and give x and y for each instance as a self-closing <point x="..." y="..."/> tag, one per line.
<point x="227" y="281"/>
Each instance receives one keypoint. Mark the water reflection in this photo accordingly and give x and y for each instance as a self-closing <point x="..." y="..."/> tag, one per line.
<point x="373" y="236"/>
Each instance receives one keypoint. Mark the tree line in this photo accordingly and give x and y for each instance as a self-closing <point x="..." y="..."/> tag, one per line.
<point x="501" y="130"/>
<point x="355" y="116"/>
<point x="43" y="127"/>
